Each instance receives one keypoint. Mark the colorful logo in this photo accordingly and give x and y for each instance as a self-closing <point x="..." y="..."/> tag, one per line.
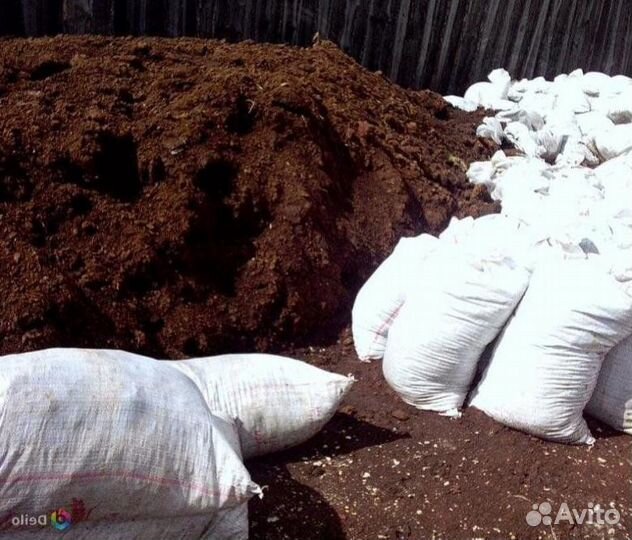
<point x="60" y="519"/>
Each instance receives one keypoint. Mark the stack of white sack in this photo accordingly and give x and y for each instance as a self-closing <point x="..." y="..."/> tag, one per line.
<point x="573" y="119"/>
<point x="545" y="365"/>
<point x="130" y="447"/>
<point x="564" y="128"/>
<point x="382" y="296"/>
<point x="438" y="314"/>
<point x="464" y="290"/>
<point x="566" y="207"/>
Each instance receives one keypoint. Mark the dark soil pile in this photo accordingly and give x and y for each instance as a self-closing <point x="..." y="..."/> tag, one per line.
<point x="190" y="197"/>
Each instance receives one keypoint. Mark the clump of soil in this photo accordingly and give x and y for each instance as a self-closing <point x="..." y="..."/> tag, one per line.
<point x="189" y="197"/>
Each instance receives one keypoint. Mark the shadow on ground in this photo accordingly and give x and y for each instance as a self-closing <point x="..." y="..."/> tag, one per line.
<point x="343" y="435"/>
<point x="291" y="510"/>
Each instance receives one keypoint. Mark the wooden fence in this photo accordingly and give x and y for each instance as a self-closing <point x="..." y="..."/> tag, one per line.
<point x="440" y="44"/>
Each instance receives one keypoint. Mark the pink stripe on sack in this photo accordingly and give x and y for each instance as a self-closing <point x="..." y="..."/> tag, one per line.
<point x="386" y="325"/>
<point x="116" y="474"/>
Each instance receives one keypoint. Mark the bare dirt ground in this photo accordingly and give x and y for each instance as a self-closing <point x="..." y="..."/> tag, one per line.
<point x="383" y="470"/>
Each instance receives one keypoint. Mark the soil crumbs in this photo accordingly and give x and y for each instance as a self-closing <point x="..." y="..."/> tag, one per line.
<point x="186" y="197"/>
<point x="383" y="470"/>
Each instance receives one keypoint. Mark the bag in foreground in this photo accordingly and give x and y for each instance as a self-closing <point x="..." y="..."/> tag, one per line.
<point x="277" y="402"/>
<point x="129" y="440"/>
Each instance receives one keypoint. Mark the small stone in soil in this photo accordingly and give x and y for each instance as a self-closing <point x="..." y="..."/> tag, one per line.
<point x="399" y="414"/>
<point x="348" y="409"/>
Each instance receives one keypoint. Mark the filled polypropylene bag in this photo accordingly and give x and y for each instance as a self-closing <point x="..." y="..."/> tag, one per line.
<point x="503" y="174"/>
<point x="276" y="402"/>
<point x="570" y="96"/>
<point x="493" y="94"/>
<point x="495" y="237"/>
<point x="530" y="119"/>
<point x="522" y="138"/>
<point x="458" y="304"/>
<point x="615" y="178"/>
<point x="125" y="443"/>
<point x="546" y="363"/>
<point x="516" y="179"/>
<point x="614" y="141"/>
<point x="593" y="122"/>
<point x="596" y="83"/>
<point x="491" y="129"/>
<point x="617" y="107"/>
<point x="538" y="103"/>
<point x="461" y="103"/>
<point x="611" y="401"/>
<point x="381" y="297"/>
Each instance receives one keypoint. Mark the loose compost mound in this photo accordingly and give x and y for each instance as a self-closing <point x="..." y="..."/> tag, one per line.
<point x="189" y="197"/>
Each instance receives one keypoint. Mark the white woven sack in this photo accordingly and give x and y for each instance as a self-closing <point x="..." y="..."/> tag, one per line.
<point x="491" y="95"/>
<point x="619" y="107"/>
<point x="615" y="177"/>
<point x="545" y="366"/>
<point x="523" y="178"/>
<point x="490" y="129"/>
<point x="381" y="297"/>
<point x="456" y="233"/>
<point x="611" y="401"/>
<point x="461" y="103"/>
<point x="595" y="83"/>
<point x="522" y="138"/>
<point x="593" y="122"/>
<point x="494" y="237"/>
<point x="457" y="307"/>
<point x="277" y="402"/>
<point x="130" y="437"/>
<point x="570" y="96"/>
<point x="615" y="141"/>
<point x="538" y="102"/>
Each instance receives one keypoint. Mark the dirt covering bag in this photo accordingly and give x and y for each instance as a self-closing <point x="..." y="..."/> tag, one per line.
<point x="545" y="366"/>
<point x="611" y="401"/>
<point x="277" y="402"/>
<point x="457" y="306"/>
<point x="382" y="296"/>
<point x="126" y="443"/>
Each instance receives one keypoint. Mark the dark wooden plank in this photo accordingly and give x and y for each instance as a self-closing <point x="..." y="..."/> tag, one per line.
<point x="11" y="18"/>
<point x="445" y="45"/>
